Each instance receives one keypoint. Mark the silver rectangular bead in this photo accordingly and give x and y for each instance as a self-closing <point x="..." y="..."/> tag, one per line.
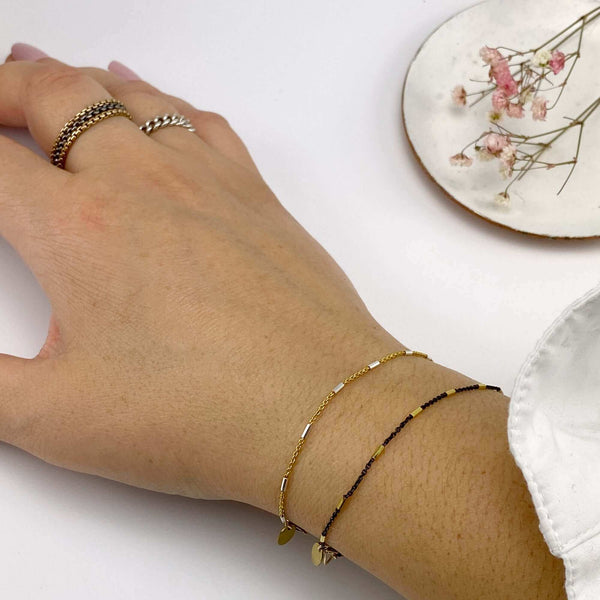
<point x="409" y="353"/>
<point x="374" y="364"/>
<point x="338" y="387"/>
<point x="305" y="431"/>
<point x="283" y="483"/>
<point x="282" y="519"/>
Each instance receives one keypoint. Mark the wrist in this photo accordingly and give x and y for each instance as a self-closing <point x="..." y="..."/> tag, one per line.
<point x="425" y="515"/>
<point x="353" y="425"/>
<point x="355" y="421"/>
<point x="276" y="413"/>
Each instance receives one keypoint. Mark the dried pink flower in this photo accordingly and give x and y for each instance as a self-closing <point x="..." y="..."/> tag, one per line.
<point x="539" y="108"/>
<point x="490" y="56"/>
<point x="495" y="143"/>
<point x="461" y="160"/>
<point x="483" y="154"/>
<point x="517" y="78"/>
<point x="459" y="95"/>
<point x="508" y="156"/>
<point x="515" y="110"/>
<point x="499" y="100"/>
<point x="557" y="61"/>
<point x="500" y="72"/>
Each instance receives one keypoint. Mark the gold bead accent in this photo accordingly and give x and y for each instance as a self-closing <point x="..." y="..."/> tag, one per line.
<point x="379" y="450"/>
<point x="338" y="388"/>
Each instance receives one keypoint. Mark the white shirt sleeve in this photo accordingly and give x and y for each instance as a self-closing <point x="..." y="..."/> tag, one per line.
<point x="554" y="436"/>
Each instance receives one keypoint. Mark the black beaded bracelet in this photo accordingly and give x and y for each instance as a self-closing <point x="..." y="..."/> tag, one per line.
<point x="323" y="553"/>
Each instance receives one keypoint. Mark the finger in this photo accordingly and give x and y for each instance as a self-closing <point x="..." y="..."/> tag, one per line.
<point x="141" y="104"/>
<point x="44" y="94"/>
<point x="211" y="127"/>
<point x="145" y="103"/>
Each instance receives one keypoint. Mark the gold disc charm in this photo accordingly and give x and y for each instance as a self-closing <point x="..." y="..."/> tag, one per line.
<point x="317" y="554"/>
<point x="286" y="534"/>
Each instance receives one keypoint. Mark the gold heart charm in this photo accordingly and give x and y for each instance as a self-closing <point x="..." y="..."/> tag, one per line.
<point x="317" y="554"/>
<point x="286" y="534"/>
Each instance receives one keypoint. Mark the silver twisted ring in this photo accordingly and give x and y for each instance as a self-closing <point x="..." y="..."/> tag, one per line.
<point x="173" y="120"/>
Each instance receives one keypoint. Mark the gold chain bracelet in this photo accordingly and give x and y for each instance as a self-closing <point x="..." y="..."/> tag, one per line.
<point x="289" y="528"/>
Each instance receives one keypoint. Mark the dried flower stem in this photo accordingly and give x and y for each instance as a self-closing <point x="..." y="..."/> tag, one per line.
<point x="522" y="161"/>
<point x="521" y="68"/>
<point x="515" y="84"/>
<point x="533" y="159"/>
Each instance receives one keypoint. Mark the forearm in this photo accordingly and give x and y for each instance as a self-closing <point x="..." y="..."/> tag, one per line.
<point x="443" y="514"/>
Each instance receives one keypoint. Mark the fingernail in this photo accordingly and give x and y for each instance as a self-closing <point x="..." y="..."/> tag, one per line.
<point x="22" y="51"/>
<point x="120" y="69"/>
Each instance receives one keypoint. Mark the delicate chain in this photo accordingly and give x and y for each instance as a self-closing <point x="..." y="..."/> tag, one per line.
<point x="82" y="121"/>
<point x="289" y="527"/>
<point x="174" y="120"/>
<point x="82" y="115"/>
<point x="321" y="552"/>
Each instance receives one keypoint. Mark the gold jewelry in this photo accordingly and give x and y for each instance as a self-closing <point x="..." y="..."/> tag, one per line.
<point x="83" y="120"/>
<point x="321" y="551"/>
<point x="289" y="528"/>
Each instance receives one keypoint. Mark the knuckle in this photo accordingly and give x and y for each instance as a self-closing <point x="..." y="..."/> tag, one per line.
<point x="210" y="121"/>
<point x="50" y="79"/>
<point x="94" y="71"/>
<point x="135" y="87"/>
<point x="98" y="74"/>
<point x="176" y="100"/>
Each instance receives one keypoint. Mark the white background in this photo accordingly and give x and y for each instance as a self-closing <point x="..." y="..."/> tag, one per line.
<point x="314" y="88"/>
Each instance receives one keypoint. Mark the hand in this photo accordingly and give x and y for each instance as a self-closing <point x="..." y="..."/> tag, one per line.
<point x="195" y="328"/>
<point x="195" y="322"/>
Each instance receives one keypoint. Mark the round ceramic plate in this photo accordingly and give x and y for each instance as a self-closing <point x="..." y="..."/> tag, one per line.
<point x="438" y="129"/>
